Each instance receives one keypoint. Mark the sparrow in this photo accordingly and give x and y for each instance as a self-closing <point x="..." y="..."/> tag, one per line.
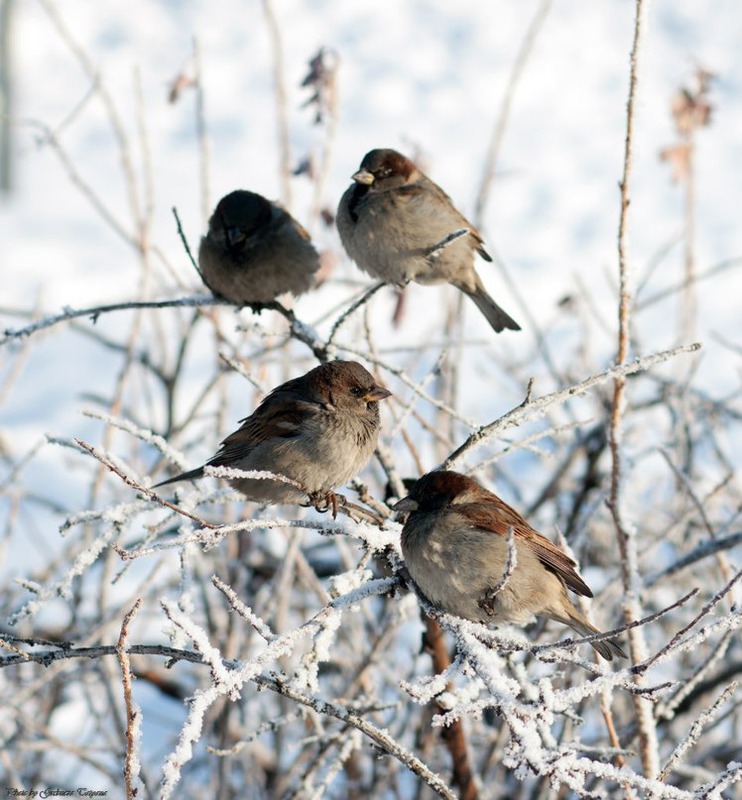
<point x="455" y="545"/>
<point x="317" y="430"/>
<point x="255" y="251"/>
<point x="393" y="221"/>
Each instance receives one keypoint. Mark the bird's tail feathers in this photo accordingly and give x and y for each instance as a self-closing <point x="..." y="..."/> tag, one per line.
<point x="184" y="476"/>
<point x="608" y="648"/>
<point x="497" y="318"/>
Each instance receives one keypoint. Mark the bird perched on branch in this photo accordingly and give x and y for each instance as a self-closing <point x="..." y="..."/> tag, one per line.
<point x="255" y="251"/>
<point x="399" y="226"/>
<point x="316" y="431"/>
<point x="455" y="543"/>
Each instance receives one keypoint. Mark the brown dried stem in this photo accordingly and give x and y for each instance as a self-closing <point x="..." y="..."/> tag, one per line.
<point x="626" y="534"/>
<point x="279" y="85"/>
<point x="131" y="775"/>
<point x="453" y="734"/>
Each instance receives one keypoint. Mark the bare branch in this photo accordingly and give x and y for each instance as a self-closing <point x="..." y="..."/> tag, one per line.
<point x="132" y="779"/>
<point x="696" y="730"/>
<point x="498" y="133"/>
<point x="530" y="408"/>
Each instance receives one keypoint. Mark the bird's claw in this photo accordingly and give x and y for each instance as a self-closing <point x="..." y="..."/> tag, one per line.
<point x="324" y="501"/>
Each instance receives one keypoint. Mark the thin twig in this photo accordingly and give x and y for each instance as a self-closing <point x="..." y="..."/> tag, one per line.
<point x="487" y="601"/>
<point x="625" y="533"/>
<point x="184" y="241"/>
<point x="129" y="481"/>
<point x="695" y="731"/>
<point x="381" y="737"/>
<point x="531" y="408"/>
<point x="498" y="133"/>
<point x="132" y="779"/>
<point x="714" y="601"/>
<point x="95" y="311"/>
<point x="279" y="85"/>
<point x="446" y="241"/>
<point x="362" y="300"/>
<point x="611" y="634"/>
<point x="243" y="610"/>
<point x="704" y="550"/>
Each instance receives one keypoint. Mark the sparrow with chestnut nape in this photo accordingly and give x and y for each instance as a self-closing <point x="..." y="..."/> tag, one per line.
<point x="318" y="431"/>
<point x="455" y="546"/>
<point x="400" y="226"/>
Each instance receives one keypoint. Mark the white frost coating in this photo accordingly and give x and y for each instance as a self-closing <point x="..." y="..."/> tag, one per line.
<point x="186" y="600"/>
<point x="430" y="686"/>
<point x="369" y="589"/>
<point x="190" y="733"/>
<point x="348" y="581"/>
<point x="713" y="790"/>
<point x="229" y="680"/>
<point x="503" y="638"/>
<point x="134" y="757"/>
<point x="244" y="610"/>
<point x="146" y="435"/>
<point x="447" y="701"/>
<point x="488" y="666"/>
<point x="307" y="678"/>
<point x="255" y="474"/>
<point x="115" y="515"/>
<point x="324" y="640"/>
<point x="63" y="586"/>
<point x="32" y="586"/>
<point x="200" y="639"/>
<point x="376" y="538"/>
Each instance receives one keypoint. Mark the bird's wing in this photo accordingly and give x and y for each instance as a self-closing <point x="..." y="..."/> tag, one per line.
<point x="451" y="216"/>
<point x="497" y="516"/>
<point x="282" y="415"/>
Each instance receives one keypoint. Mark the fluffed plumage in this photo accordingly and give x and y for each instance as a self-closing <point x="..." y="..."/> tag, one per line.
<point x="390" y="221"/>
<point x="255" y="251"/>
<point x="455" y="545"/>
<point x="317" y="430"/>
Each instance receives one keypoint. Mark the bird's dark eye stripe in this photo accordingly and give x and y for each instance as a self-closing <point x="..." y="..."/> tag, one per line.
<point x="358" y="391"/>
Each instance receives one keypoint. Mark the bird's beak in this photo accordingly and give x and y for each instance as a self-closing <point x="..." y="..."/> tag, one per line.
<point x="377" y="393"/>
<point x="363" y="176"/>
<point x="235" y="236"/>
<point x="405" y="504"/>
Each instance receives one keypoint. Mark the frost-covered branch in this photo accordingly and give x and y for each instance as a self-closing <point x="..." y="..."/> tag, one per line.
<point x="132" y="764"/>
<point x="532" y="408"/>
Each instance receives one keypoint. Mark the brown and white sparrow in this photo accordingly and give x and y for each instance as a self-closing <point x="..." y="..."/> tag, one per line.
<point x="455" y="545"/>
<point x="255" y="251"/>
<point x="317" y="430"/>
<point x="392" y="221"/>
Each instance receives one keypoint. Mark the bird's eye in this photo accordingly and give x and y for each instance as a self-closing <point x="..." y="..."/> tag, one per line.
<point x="358" y="391"/>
